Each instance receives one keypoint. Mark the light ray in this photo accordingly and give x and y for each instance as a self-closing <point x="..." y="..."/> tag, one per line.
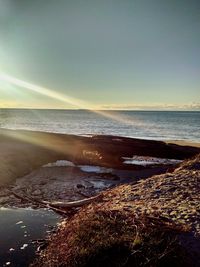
<point x="45" y="91"/>
<point x="68" y="100"/>
<point x="113" y="115"/>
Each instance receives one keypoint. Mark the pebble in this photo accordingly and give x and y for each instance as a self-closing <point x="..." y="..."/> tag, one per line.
<point x="20" y="222"/>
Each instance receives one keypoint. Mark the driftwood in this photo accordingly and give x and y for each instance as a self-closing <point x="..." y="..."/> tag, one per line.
<point x="57" y="206"/>
<point x="72" y="204"/>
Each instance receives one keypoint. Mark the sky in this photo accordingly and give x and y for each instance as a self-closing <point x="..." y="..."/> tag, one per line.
<point x="100" y="54"/>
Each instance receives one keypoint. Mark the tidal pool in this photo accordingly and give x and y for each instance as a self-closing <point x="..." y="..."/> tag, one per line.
<point x="18" y="228"/>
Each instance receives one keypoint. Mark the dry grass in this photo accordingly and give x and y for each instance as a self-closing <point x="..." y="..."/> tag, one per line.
<point x="115" y="238"/>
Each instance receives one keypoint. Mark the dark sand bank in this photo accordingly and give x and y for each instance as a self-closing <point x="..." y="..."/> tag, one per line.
<point x="24" y="151"/>
<point x="155" y="222"/>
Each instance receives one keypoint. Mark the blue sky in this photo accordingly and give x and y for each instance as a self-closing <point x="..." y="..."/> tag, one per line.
<point x="109" y="54"/>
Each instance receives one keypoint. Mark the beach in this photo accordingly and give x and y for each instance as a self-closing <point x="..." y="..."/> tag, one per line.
<point x="39" y="167"/>
<point x="99" y="133"/>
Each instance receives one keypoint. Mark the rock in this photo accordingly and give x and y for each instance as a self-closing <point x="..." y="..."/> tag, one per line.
<point x="37" y="192"/>
<point x="80" y="186"/>
<point x="3" y="200"/>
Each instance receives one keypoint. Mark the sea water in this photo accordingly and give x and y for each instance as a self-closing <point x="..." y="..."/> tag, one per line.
<point x="156" y="125"/>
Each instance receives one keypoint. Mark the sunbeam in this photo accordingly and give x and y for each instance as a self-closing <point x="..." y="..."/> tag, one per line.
<point x="45" y="91"/>
<point x="68" y="100"/>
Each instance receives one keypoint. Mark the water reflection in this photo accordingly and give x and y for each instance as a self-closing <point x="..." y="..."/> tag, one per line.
<point x="18" y="228"/>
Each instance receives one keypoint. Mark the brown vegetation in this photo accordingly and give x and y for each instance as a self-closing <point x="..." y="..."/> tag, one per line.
<point x="116" y="238"/>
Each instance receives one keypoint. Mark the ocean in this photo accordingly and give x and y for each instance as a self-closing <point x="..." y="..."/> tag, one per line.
<point x="156" y="125"/>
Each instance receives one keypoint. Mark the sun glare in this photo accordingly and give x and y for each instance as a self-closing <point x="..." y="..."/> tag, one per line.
<point x="44" y="91"/>
<point x="68" y="100"/>
<point x="80" y="104"/>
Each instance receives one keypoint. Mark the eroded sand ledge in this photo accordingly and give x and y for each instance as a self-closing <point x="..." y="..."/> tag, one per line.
<point x="24" y="151"/>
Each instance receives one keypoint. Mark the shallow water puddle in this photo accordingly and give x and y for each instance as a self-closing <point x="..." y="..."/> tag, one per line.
<point x="18" y="228"/>
<point x="84" y="168"/>
<point x="96" y="169"/>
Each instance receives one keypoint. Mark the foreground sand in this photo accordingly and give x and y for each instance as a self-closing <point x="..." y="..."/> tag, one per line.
<point x="155" y="222"/>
